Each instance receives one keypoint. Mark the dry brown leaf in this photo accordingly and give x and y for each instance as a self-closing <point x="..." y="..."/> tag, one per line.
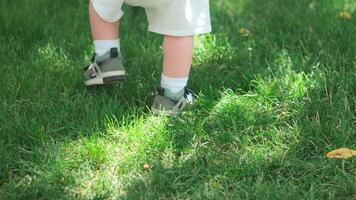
<point x="146" y="167"/>
<point x="245" y="32"/>
<point x="341" y="153"/>
<point x="345" y="15"/>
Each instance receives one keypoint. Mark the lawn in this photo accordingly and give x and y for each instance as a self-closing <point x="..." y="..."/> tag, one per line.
<point x="277" y="90"/>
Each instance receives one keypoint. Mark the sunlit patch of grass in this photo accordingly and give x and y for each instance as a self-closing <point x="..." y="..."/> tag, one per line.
<point x="210" y="47"/>
<point x="53" y="57"/>
<point x="283" y="82"/>
<point x="90" y="166"/>
<point x="255" y="124"/>
<point x="271" y="101"/>
<point x="99" y="166"/>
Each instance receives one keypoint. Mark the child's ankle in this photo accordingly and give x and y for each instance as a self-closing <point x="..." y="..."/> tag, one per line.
<point x="174" y="87"/>
<point x="103" y="46"/>
<point x="175" y="96"/>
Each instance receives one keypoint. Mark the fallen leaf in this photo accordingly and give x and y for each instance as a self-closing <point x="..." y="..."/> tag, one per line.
<point x="245" y="32"/>
<point x="341" y="153"/>
<point x="345" y="15"/>
<point x="146" y="167"/>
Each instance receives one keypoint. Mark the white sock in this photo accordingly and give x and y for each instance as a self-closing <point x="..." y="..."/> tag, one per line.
<point x="175" y="85"/>
<point x="103" y="46"/>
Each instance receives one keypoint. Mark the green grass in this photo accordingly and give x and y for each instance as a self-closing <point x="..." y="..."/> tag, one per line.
<point x="272" y="103"/>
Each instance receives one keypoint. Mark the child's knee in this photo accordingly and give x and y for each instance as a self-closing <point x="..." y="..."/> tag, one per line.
<point x="108" y="10"/>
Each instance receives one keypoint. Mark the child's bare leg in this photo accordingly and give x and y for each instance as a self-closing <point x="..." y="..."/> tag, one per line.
<point x="178" y="53"/>
<point x="177" y="61"/>
<point x="105" y="34"/>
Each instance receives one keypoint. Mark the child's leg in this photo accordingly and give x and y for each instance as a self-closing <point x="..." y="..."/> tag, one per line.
<point x="106" y="66"/>
<point x="178" y="53"/>
<point x="177" y="61"/>
<point x="105" y="34"/>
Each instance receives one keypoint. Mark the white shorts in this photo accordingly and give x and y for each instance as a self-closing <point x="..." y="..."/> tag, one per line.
<point x="168" y="17"/>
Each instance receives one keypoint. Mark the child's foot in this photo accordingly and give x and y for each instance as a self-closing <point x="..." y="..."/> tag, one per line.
<point x="165" y="105"/>
<point x="105" y="69"/>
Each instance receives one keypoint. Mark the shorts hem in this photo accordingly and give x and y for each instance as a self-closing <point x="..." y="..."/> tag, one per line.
<point x="102" y="15"/>
<point x="180" y="33"/>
